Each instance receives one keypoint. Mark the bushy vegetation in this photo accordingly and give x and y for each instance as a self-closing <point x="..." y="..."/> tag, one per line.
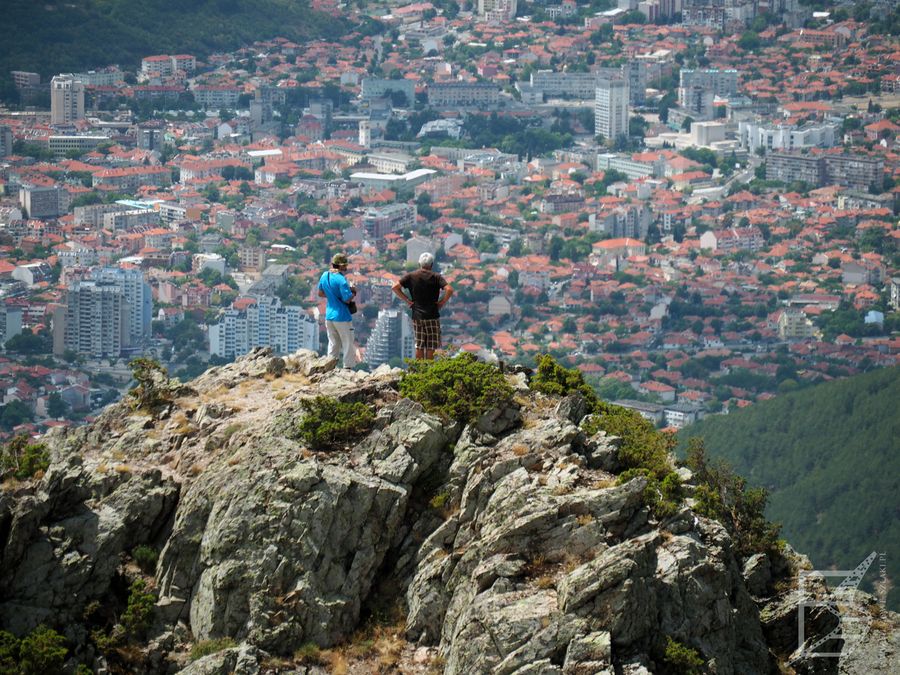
<point x="459" y="388"/>
<point x="556" y="380"/>
<point x="207" y="647"/>
<point x="681" y="659"/>
<point x="644" y="451"/>
<point x="41" y="652"/>
<point x="329" y="424"/>
<point x="723" y="495"/>
<point x="123" y="32"/>
<point x="23" y="459"/>
<point x="139" y="611"/>
<point x="146" y="558"/>
<point x="830" y="457"/>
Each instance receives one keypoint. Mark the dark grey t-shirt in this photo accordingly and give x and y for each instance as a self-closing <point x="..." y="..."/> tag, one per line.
<point x="425" y="289"/>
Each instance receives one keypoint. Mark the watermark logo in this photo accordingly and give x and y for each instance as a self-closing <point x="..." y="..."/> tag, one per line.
<point x="852" y="617"/>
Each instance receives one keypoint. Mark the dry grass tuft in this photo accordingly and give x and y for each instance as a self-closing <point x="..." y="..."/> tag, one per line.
<point x="520" y="449"/>
<point x="195" y="470"/>
<point x="585" y="519"/>
<point x="122" y="468"/>
<point x="545" y="581"/>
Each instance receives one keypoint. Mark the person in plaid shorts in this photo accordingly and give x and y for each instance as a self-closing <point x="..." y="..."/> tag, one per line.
<point x="425" y="299"/>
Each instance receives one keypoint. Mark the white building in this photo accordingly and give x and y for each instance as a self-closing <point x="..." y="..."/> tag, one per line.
<point x="264" y="323"/>
<point x="95" y="322"/>
<point x="611" y="108"/>
<point x="66" y="99"/>
<point x="391" y="338"/>
<point x="774" y="136"/>
<point x="137" y="294"/>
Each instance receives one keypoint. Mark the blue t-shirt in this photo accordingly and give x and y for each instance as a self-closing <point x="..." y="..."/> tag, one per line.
<point x="337" y="291"/>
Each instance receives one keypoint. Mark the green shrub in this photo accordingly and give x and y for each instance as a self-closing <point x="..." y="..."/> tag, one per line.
<point x="139" y="609"/>
<point x="663" y="496"/>
<point x="459" y="388"/>
<point x="23" y="459"/>
<point x="152" y="390"/>
<point x="643" y="446"/>
<point x="556" y="380"/>
<point x="9" y="653"/>
<point x="723" y="495"/>
<point x="681" y="659"/>
<point x="207" y="647"/>
<point x="42" y="652"/>
<point x="329" y="424"/>
<point x="146" y="558"/>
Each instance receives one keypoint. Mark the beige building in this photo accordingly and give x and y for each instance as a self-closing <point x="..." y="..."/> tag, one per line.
<point x="795" y="325"/>
<point x="611" y="108"/>
<point x="66" y="99"/>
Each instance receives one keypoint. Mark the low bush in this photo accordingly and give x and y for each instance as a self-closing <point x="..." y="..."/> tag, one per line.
<point x="663" y="496"/>
<point x="329" y="424"/>
<point x="207" y="647"/>
<point x="23" y="459"/>
<point x="41" y="652"/>
<point x="139" y="609"/>
<point x="643" y="446"/>
<point x="556" y="380"/>
<point x="146" y="558"/>
<point x="681" y="659"/>
<point x="459" y="388"/>
<point x="724" y="496"/>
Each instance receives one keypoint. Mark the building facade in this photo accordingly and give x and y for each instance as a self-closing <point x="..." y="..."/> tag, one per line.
<point x="611" y="108"/>
<point x="66" y="99"/>
<point x="392" y="338"/>
<point x="96" y="320"/>
<point x="264" y="323"/>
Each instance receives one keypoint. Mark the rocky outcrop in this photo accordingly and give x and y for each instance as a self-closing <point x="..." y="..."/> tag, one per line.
<point x="508" y="545"/>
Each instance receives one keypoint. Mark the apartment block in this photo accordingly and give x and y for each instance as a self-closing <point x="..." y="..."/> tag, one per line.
<point x="795" y="325"/>
<point x="131" y="178"/>
<point x="216" y="96"/>
<point x="66" y="99"/>
<point x="61" y="145"/>
<point x="6" y="141"/>
<point x="381" y="220"/>
<point x="95" y="322"/>
<point x="773" y="136"/>
<point x="263" y="322"/>
<point x="391" y="338"/>
<point x="138" y="298"/>
<point x="40" y="201"/>
<point x="471" y="94"/>
<point x="376" y="87"/>
<point x="497" y="10"/>
<point x="611" y="108"/>
<point x="855" y="171"/>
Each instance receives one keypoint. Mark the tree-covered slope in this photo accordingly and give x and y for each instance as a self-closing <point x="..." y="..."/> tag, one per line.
<point x="830" y="457"/>
<point x="57" y="36"/>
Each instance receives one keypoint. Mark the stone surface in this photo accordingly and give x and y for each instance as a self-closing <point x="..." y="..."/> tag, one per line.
<point x="508" y="544"/>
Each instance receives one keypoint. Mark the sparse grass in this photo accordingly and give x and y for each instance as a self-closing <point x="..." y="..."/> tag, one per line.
<point x="561" y="490"/>
<point x="585" y="519"/>
<point x="439" y="501"/>
<point x="196" y="469"/>
<point x="207" y="647"/>
<point x="520" y="449"/>
<point x="545" y="581"/>
<point x="230" y="431"/>
<point x="281" y="395"/>
<point x="603" y="483"/>
<point x="146" y="558"/>
<point x="122" y="468"/>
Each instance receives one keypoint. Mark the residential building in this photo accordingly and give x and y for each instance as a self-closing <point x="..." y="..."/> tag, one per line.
<point x="130" y="178"/>
<point x="733" y="239"/>
<point x="42" y="201"/>
<point x="555" y="84"/>
<point x="774" y="136"/>
<point x="679" y="415"/>
<point x="216" y="97"/>
<point x="377" y="87"/>
<point x="793" y="324"/>
<point x="653" y="412"/>
<point x="61" y="145"/>
<point x="66" y="99"/>
<point x="465" y="94"/>
<point x="6" y="141"/>
<point x="722" y="83"/>
<point x="611" y="108"/>
<point x="138" y="298"/>
<point x="855" y="171"/>
<point x="263" y="322"/>
<point x="381" y="220"/>
<point x="497" y="10"/>
<point x="107" y="77"/>
<point x="391" y="338"/>
<point x="10" y="321"/>
<point x="789" y="167"/>
<point x="95" y="322"/>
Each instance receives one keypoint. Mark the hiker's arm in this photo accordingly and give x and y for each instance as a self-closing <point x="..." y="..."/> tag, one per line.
<point x="398" y="291"/>
<point x="448" y="293"/>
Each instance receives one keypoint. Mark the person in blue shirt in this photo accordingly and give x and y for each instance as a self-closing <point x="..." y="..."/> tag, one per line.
<point x="338" y="321"/>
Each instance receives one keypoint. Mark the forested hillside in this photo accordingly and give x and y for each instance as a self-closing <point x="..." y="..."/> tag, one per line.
<point x="830" y="457"/>
<point x="51" y="37"/>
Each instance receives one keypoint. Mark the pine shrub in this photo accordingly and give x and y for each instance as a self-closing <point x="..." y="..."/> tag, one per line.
<point x="23" y="459"/>
<point x="146" y="558"/>
<point x="681" y="659"/>
<point x="139" y="609"/>
<point x="459" y="388"/>
<point x="556" y="380"/>
<point x="329" y="424"/>
<point x="152" y="390"/>
<point x="43" y="651"/>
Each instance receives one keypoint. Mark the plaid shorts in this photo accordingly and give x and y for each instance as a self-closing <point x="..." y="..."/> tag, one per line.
<point x="428" y="333"/>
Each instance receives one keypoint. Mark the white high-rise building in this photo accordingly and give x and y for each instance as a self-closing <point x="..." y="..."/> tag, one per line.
<point x="497" y="10"/>
<point x="96" y="320"/>
<point x="137" y="294"/>
<point x="611" y="108"/>
<point x="391" y="338"/>
<point x="66" y="99"/>
<point x="266" y="323"/>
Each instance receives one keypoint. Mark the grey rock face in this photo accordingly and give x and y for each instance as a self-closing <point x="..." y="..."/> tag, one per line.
<point x="509" y="543"/>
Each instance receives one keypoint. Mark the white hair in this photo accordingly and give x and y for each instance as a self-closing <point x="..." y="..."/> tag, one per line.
<point x="426" y="260"/>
